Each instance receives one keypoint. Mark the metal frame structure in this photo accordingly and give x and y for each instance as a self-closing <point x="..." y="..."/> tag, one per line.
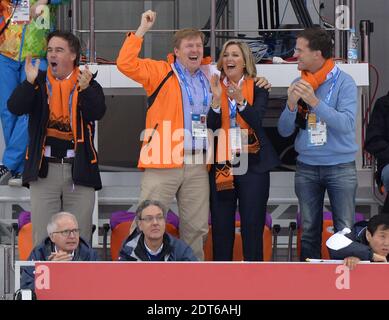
<point x="340" y="36"/>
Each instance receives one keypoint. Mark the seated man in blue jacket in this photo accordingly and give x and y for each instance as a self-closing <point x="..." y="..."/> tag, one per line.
<point x="150" y="242"/>
<point x="369" y="242"/>
<point x="62" y="244"/>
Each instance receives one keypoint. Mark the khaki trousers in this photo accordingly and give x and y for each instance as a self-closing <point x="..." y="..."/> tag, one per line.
<point x="190" y="185"/>
<point x="57" y="193"/>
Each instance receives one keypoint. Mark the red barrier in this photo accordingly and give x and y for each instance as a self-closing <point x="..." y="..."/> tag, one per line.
<point x="210" y="281"/>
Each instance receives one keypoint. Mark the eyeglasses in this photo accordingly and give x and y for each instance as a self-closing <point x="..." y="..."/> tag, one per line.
<point x="66" y="233"/>
<point x="149" y="219"/>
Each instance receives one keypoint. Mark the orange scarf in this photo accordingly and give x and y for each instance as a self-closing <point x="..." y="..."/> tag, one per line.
<point x="315" y="80"/>
<point x="59" y="92"/>
<point x="224" y="175"/>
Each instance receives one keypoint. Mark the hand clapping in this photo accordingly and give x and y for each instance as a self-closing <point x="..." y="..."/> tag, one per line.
<point x="84" y="78"/>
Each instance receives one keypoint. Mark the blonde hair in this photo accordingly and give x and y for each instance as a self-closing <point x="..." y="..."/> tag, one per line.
<point x="186" y="34"/>
<point x="250" y="69"/>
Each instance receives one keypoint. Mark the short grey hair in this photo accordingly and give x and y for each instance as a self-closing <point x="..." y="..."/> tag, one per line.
<point x="52" y="225"/>
<point x="147" y="203"/>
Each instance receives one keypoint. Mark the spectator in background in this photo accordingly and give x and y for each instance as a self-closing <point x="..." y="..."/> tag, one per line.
<point x="151" y="242"/>
<point x="377" y="144"/>
<point x="19" y="39"/>
<point x="62" y="244"/>
<point x="322" y="105"/>
<point x="366" y="241"/>
<point x="63" y="104"/>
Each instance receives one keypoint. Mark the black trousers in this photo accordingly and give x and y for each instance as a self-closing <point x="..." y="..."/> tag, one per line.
<point x="250" y="195"/>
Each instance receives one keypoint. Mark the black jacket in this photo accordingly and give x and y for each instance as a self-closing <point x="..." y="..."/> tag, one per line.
<point x="32" y="100"/>
<point x="377" y="134"/>
<point x="253" y="115"/>
<point x="359" y="247"/>
<point x="84" y="252"/>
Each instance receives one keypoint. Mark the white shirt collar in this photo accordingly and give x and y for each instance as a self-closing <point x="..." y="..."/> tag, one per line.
<point x="68" y="77"/>
<point x="153" y="253"/>
<point x="226" y="82"/>
<point x="333" y="72"/>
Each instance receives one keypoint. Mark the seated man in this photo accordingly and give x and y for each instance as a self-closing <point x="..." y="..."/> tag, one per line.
<point x="62" y="244"/>
<point x="369" y="242"/>
<point x="150" y="242"/>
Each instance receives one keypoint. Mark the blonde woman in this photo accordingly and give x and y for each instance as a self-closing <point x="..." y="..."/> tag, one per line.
<point x="238" y="105"/>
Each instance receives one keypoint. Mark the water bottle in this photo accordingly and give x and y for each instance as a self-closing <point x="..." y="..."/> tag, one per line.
<point x="352" y="47"/>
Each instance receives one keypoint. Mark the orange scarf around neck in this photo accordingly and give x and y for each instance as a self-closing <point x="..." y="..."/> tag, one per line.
<point x="224" y="175"/>
<point x="317" y="78"/>
<point x="59" y="92"/>
<point x="224" y="149"/>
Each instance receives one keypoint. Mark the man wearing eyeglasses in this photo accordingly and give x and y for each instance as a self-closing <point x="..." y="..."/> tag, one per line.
<point x="62" y="244"/>
<point x="151" y="242"/>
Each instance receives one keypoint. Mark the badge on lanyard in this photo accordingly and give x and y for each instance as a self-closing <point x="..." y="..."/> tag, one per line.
<point x="199" y="126"/>
<point x="312" y="120"/>
<point x="22" y="12"/>
<point x="317" y="134"/>
<point x="235" y="139"/>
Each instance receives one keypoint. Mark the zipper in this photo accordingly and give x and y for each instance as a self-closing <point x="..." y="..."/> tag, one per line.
<point x="91" y="144"/>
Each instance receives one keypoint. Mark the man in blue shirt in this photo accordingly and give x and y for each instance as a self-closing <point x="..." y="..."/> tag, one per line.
<point x="322" y="104"/>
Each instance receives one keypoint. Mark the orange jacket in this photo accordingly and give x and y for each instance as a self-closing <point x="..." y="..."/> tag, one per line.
<point x="163" y="138"/>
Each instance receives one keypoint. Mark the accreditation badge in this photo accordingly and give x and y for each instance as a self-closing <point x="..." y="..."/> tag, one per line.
<point x="235" y="139"/>
<point x="199" y="126"/>
<point x="22" y="12"/>
<point x="317" y="134"/>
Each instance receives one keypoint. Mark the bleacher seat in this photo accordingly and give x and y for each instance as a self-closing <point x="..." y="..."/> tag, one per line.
<point x="25" y="242"/>
<point x="238" y="249"/>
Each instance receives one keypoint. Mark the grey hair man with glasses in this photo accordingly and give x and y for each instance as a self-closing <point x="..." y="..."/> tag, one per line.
<point x="62" y="244"/>
<point x="150" y="241"/>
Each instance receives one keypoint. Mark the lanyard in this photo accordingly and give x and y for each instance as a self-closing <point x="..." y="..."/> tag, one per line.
<point x="70" y="97"/>
<point x="186" y="85"/>
<point x="329" y="94"/>
<point x="232" y="107"/>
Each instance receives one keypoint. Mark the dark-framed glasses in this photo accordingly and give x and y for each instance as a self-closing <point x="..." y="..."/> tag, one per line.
<point x="149" y="219"/>
<point x="66" y="233"/>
